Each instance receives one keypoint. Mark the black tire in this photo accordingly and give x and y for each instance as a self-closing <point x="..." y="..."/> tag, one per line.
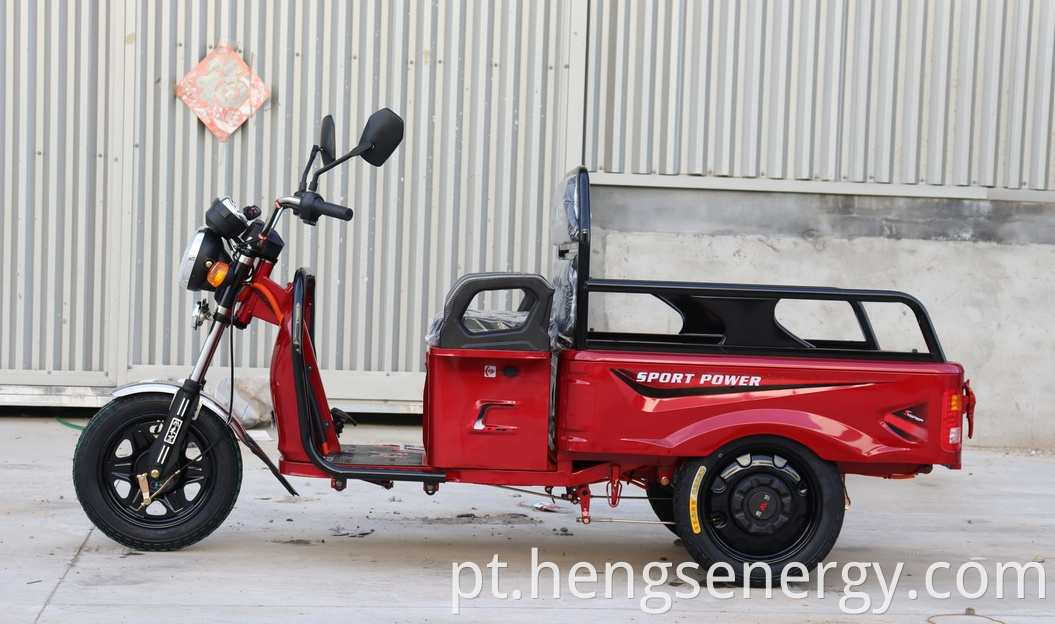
<point x="759" y="499"/>
<point x="661" y="498"/>
<point x="113" y="449"/>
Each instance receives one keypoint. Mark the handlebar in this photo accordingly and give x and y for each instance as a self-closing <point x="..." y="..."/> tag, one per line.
<point x="319" y="206"/>
<point x="310" y="206"/>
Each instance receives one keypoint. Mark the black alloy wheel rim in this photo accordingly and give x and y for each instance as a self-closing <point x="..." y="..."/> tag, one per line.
<point x="127" y="455"/>
<point x="760" y="506"/>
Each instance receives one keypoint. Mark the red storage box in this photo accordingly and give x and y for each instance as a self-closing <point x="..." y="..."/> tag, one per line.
<point x="487" y="409"/>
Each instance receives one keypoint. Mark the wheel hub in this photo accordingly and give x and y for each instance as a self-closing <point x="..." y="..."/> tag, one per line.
<point x="761" y="504"/>
<point x="762" y="500"/>
<point x="141" y="465"/>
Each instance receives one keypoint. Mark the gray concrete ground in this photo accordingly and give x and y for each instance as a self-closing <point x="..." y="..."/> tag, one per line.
<point x="371" y="555"/>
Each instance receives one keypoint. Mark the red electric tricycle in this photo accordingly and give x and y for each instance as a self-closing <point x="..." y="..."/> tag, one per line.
<point x="736" y="428"/>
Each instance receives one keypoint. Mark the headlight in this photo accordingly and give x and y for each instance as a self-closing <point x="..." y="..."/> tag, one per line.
<point x="204" y="252"/>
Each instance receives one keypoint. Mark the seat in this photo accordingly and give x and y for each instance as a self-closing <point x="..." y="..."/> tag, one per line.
<point x="526" y="329"/>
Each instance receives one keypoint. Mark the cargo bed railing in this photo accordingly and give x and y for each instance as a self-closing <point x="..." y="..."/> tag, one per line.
<point x="741" y="319"/>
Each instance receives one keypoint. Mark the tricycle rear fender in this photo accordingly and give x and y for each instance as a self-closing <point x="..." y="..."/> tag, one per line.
<point x="831" y="439"/>
<point x="209" y="403"/>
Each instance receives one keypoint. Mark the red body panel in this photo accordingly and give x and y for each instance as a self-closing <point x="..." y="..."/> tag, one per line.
<point x="268" y="302"/>
<point x="857" y="413"/>
<point x="488" y="418"/>
<point x="488" y="409"/>
<point x="284" y="398"/>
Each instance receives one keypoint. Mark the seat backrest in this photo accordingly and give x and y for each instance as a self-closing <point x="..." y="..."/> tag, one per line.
<point x="565" y="283"/>
<point x="570" y="235"/>
<point x="524" y="330"/>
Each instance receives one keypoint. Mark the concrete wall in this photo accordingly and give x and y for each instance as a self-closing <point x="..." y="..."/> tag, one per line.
<point x="982" y="268"/>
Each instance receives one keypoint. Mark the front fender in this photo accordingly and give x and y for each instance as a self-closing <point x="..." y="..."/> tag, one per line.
<point x="167" y="387"/>
<point x="211" y="404"/>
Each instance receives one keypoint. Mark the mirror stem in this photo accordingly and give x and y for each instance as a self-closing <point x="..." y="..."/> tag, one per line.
<point x="311" y="160"/>
<point x="359" y="149"/>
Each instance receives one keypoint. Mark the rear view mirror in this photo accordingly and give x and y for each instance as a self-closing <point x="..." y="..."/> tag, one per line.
<point x="381" y="137"/>
<point x="327" y="142"/>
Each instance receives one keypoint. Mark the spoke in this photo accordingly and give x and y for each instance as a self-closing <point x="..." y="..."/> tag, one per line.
<point x="719" y="501"/>
<point x="121" y="469"/>
<point x="142" y="439"/>
<point x="202" y="479"/>
<point x="199" y="467"/>
<point x="175" y="501"/>
<point x="128" y="499"/>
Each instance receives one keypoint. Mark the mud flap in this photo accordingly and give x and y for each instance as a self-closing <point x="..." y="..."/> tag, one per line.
<point x="969" y="408"/>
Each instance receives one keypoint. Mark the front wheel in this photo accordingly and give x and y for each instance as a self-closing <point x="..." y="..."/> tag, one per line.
<point x="114" y="449"/>
<point x="758" y="500"/>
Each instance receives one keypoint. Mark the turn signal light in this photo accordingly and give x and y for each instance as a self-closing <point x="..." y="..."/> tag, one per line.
<point x="952" y="421"/>
<point x="217" y="274"/>
<point x="955" y="402"/>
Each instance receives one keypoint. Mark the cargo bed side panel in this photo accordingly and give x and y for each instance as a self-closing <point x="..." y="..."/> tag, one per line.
<point x="681" y="405"/>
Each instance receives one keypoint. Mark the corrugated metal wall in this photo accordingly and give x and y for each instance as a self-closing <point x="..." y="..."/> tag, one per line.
<point x="481" y="87"/>
<point x="940" y="92"/>
<point x="477" y="85"/>
<point x="106" y="173"/>
<point x="56" y="232"/>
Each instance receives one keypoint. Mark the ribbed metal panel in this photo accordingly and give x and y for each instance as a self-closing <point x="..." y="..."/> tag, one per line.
<point x="107" y="174"/>
<point x="954" y="93"/>
<point x="53" y="227"/>
<point x="478" y="86"/>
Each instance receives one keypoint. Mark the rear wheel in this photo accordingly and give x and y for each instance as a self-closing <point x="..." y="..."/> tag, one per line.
<point x="762" y="499"/>
<point x="114" y="449"/>
<point x="661" y="498"/>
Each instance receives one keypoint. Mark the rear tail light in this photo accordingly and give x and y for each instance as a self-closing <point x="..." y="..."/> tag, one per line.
<point x="952" y="420"/>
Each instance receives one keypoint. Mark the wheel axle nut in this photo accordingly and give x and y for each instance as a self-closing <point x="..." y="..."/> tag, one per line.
<point x="154" y="474"/>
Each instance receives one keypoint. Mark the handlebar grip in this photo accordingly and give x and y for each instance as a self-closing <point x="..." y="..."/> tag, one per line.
<point x="321" y="207"/>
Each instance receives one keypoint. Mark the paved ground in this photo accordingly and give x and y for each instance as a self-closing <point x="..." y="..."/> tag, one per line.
<point x="371" y="555"/>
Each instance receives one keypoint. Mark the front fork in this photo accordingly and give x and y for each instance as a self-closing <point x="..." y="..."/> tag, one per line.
<point x="164" y="453"/>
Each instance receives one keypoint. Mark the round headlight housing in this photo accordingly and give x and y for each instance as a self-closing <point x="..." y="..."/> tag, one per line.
<point x="205" y="250"/>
